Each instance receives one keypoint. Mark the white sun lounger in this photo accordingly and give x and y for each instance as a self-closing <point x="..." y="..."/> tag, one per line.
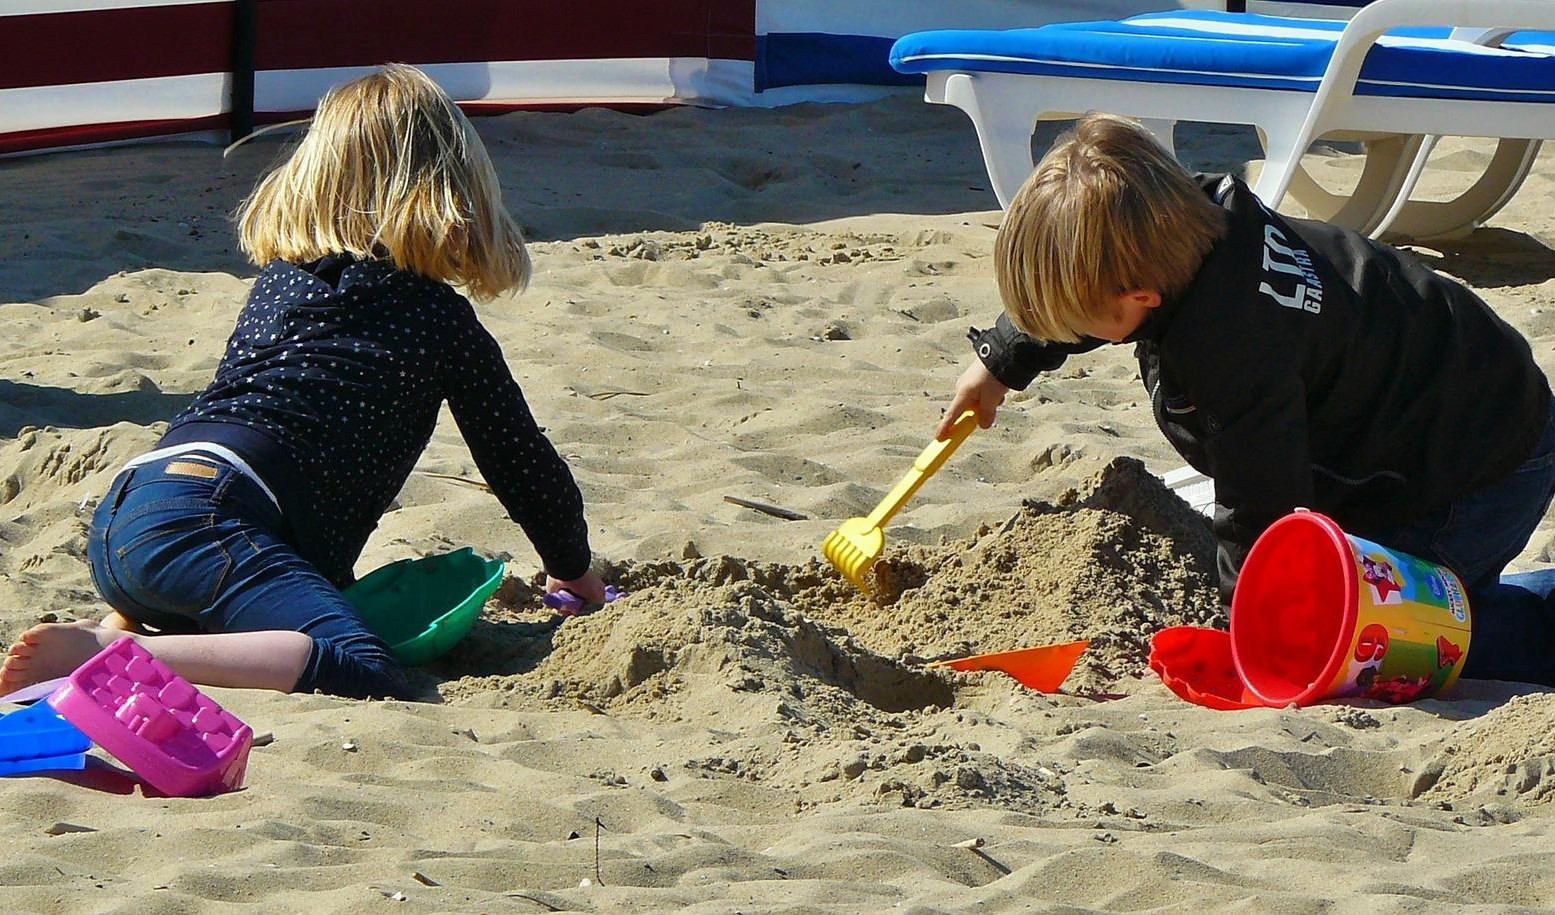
<point x="1397" y="75"/>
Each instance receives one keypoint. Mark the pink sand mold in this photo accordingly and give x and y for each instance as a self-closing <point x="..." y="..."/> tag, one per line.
<point x="154" y="721"/>
<point x="38" y="739"/>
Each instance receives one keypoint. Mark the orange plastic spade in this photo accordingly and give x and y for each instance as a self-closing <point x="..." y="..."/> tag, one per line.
<point x="1042" y="668"/>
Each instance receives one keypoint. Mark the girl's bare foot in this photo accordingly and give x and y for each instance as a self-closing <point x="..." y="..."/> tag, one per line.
<point x="51" y="650"/>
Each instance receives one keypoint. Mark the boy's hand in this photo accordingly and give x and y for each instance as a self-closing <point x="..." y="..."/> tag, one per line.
<point x="589" y="587"/>
<point x="976" y="389"/>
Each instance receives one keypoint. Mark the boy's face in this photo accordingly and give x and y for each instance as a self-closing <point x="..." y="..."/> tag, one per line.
<point x="1129" y="310"/>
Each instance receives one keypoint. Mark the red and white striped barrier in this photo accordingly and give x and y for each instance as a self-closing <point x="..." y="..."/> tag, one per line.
<point x="80" y="72"/>
<point x="74" y="73"/>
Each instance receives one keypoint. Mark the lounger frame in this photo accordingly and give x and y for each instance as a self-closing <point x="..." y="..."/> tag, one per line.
<point x="1399" y="132"/>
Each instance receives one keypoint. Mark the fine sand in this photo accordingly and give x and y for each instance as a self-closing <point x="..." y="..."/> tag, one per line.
<point x="770" y="305"/>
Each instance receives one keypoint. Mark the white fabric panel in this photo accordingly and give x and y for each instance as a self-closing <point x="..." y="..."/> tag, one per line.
<point x="161" y="98"/>
<point x="711" y="82"/>
<point x="32" y="7"/>
<point x="636" y="80"/>
<point x="733" y="83"/>
<point x="651" y="81"/>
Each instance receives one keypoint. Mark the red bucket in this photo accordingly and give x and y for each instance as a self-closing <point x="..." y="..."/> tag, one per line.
<point x="1320" y="614"/>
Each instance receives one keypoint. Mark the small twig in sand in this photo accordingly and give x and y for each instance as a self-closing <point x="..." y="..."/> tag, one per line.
<point x="539" y="902"/>
<point x="455" y="478"/>
<point x="975" y="846"/>
<point x="606" y="395"/>
<point x="598" y="826"/>
<point x="764" y="508"/>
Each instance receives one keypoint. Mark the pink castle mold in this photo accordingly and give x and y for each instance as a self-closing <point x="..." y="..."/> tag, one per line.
<point x="154" y="721"/>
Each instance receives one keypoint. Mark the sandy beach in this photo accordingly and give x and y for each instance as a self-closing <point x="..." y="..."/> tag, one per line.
<point x="770" y="305"/>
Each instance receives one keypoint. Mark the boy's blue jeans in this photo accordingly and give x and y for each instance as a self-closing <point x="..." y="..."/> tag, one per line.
<point x="1476" y="536"/>
<point x="187" y="544"/>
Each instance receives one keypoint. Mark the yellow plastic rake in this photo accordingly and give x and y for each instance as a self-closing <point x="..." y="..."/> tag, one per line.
<point x="855" y="546"/>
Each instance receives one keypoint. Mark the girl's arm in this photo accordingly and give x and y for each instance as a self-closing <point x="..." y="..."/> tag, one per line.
<point x="530" y="479"/>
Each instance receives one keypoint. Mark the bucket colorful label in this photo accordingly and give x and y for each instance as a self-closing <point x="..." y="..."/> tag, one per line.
<point x="1411" y="627"/>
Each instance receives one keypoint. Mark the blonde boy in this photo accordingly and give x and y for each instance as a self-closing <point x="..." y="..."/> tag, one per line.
<point x="1295" y="362"/>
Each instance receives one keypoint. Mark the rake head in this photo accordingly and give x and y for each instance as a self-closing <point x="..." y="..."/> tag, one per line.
<point x="852" y="548"/>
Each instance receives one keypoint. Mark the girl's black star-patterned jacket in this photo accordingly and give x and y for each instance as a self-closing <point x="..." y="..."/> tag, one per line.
<point x="331" y="386"/>
<point x="1309" y="366"/>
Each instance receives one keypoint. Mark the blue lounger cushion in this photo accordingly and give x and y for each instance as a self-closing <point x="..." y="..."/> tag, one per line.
<point x="1242" y="50"/>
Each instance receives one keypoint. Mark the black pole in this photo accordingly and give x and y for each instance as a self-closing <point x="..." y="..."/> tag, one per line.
<point x="245" y="28"/>
<point x="1236" y="6"/>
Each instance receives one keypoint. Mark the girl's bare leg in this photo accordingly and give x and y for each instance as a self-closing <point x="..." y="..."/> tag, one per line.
<point x="272" y="659"/>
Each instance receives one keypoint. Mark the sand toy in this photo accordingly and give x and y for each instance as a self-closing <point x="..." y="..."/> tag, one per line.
<point x="38" y="739"/>
<point x="1042" y="668"/>
<point x="567" y="603"/>
<point x="36" y="691"/>
<point x="1317" y="615"/>
<point x="168" y="732"/>
<point x="423" y="607"/>
<point x="1320" y="614"/>
<point x="1195" y="663"/>
<point x="856" y="545"/>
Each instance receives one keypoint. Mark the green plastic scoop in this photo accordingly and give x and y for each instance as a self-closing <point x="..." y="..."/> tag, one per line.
<point x="423" y="607"/>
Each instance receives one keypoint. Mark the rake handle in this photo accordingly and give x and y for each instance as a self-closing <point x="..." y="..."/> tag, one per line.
<point x="923" y="467"/>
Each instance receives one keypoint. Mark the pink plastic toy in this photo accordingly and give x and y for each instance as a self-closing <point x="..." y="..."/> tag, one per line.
<point x="154" y="721"/>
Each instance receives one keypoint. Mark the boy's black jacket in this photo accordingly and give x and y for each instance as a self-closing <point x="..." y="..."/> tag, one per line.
<point x="1308" y="366"/>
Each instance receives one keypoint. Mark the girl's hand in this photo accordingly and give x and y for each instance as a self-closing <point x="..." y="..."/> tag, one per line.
<point x="588" y="587"/>
<point x="976" y="389"/>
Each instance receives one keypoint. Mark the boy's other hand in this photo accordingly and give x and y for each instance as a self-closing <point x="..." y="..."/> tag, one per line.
<point x="976" y="389"/>
<point x="588" y="586"/>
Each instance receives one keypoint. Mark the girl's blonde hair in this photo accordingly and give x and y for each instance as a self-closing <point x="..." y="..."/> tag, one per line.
<point x="391" y="168"/>
<point x="1107" y="210"/>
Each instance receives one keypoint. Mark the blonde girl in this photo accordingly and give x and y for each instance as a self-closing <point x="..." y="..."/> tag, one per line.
<point x="232" y="538"/>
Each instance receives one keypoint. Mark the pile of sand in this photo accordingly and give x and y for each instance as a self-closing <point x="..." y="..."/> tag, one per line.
<point x="1113" y="561"/>
<point x="820" y="685"/>
<point x="1507" y="755"/>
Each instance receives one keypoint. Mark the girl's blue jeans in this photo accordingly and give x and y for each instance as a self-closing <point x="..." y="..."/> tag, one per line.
<point x="187" y="545"/>
<point x="1476" y="536"/>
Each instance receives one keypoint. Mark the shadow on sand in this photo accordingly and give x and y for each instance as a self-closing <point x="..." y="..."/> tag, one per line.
<point x="23" y="405"/>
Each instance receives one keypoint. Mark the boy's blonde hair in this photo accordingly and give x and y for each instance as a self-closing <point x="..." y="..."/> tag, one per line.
<point x="390" y="168"/>
<point x="1107" y="210"/>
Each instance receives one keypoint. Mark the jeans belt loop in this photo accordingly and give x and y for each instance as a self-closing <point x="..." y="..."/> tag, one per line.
<point x="116" y="490"/>
<point x="225" y="483"/>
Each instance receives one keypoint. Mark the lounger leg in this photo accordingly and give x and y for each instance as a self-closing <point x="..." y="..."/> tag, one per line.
<point x="1379" y="189"/>
<point x="1446" y="219"/>
<point x="1387" y="162"/>
<point x="1405" y="188"/>
<point x="1004" y="122"/>
<point x="1283" y="148"/>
